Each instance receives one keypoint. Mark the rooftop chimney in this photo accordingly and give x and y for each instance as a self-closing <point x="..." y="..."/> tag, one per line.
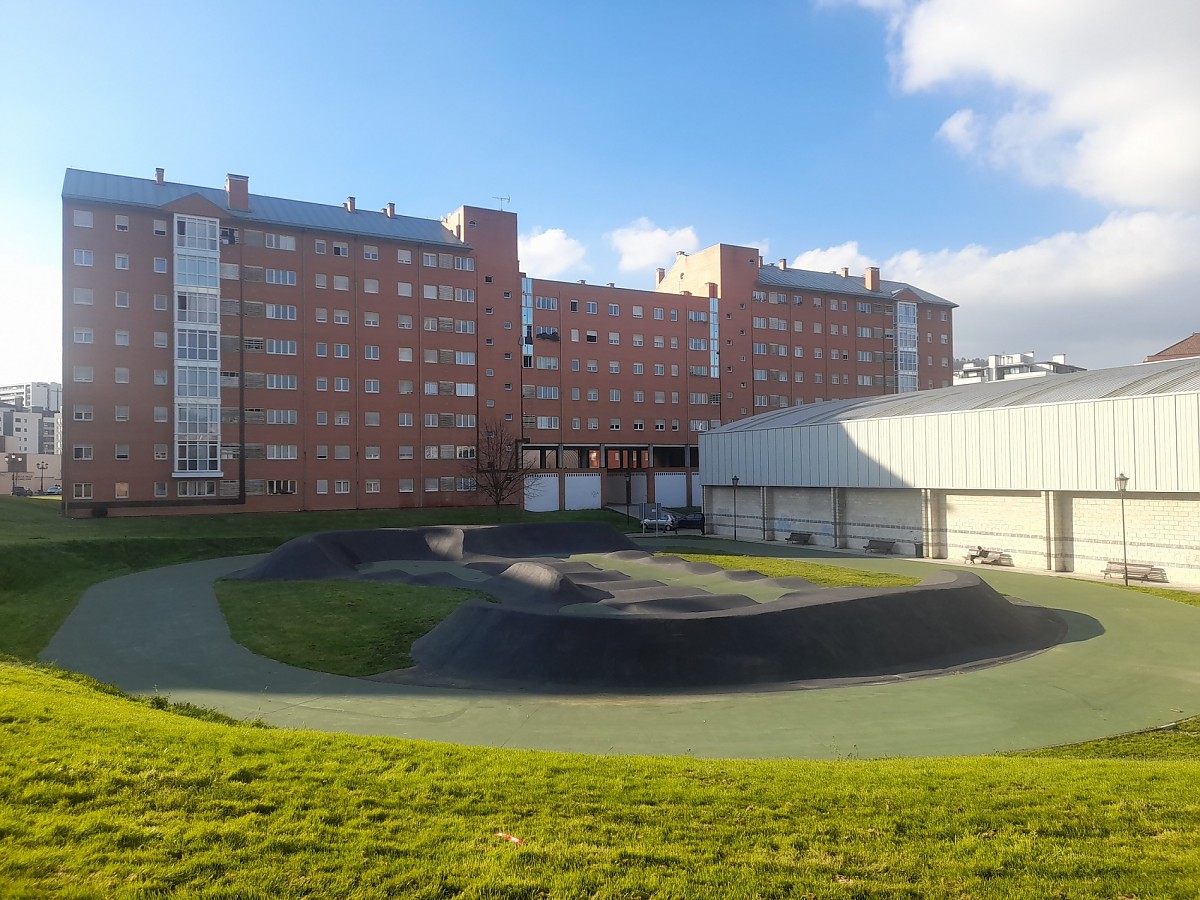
<point x="583" y="281"/>
<point x="611" y="284"/>
<point x="871" y="278"/>
<point x="159" y="174"/>
<point x="658" y="275"/>
<point x="237" y="192"/>
<point x="712" y="289"/>
<point x="760" y="262"/>
<point x="845" y="272"/>
<point x="783" y="264"/>
<point x="390" y="210"/>
<point x="349" y="204"/>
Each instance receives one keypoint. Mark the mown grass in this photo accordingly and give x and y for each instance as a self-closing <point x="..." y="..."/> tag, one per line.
<point x="102" y="797"/>
<point x="817" y="573"/>
<point x="105" y="796"/>
<point x="341" y="627"/>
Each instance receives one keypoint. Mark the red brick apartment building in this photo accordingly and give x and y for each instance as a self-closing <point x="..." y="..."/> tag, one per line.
<point x="225" y="349"/>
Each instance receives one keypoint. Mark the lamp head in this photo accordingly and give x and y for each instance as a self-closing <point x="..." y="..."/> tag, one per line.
<point x="1122" y="481"/>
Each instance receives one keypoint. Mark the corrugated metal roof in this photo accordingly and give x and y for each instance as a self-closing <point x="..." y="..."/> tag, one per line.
<point x="830" y="282"/>
<point x="1144" y="379"/>
<point x="123" y="189"/>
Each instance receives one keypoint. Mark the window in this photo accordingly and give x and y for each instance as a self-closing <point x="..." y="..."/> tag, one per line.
<point x="545" y="303"/>
<point x="341" y="317"/>
<point x="121" y="413"/>
<point x="341" y="351"/>
<point x="122" y="260"/>
<point x="282" y="451"/>
<point x="281" y="311"/>
<point x="160" y="302"/>
<point x="370" y="351"/>
<point x="121" y="375"/>
<point x="341" y="282"/>
<point x="322" y="417"/>
<point x="464" y="263"/>
<point x="81" y="491"/>
<point x="160" y="265"/>
<point x="371" y="386"/>
<point x="81" y="451"/>
<point x="341" y="248"/>
<point x="614" y="338"/>
<point x="322" y="486"/>
<point x="281" y="276"/>
<point x="83" y="297"/>
<point x="160" y="339"/>
<point x="83" y="257"/>
<point x="321" y="281"/>
<point x="160" y="414"/>
<point x="341" y="486"/>
<point x="341" y="385"/>
<point x="84" y="336"/>
<point x="371" y="286"/>
<point x="319" y="246"/>
<point x="279" y="241"/>
<point x="280" y="347"/>
<point x="429" y="259"/>
<point x="614" y="395"/>
<point x="614" y="367"/>
<point x="82" y="218"/>
<point x="614" y="309"/>
<point x="464" y="295"/>
<point x="404" y="257"/>
<point x="285" y="383"/>
<point x="321" y="314"/>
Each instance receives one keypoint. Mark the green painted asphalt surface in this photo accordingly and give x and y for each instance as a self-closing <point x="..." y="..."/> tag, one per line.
<point x="162" y="632"/>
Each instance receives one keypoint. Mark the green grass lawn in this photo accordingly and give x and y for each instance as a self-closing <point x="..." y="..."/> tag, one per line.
<point x="105" y="796"/>
<point x="340" y="627"/>
<point x="817" y="573"/>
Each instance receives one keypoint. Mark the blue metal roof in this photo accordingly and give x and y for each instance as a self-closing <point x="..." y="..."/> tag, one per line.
<point x="831" y="282"/>
<point x="128" y="191"/>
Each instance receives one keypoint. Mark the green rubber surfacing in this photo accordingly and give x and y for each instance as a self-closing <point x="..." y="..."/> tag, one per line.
<point x="162" y="632"/>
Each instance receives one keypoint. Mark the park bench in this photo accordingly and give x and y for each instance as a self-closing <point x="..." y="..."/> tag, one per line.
<point x="989" y="556"/>
<point x="1140" y="571"/>
<point x="799" y="537"/>
<point x="875" y="545"/>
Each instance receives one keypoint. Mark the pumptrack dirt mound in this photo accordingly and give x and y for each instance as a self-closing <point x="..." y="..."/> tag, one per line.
<point x="569" y="625"/>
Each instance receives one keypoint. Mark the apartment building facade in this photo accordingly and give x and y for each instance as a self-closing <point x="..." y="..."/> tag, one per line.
<point x="224" y="349"/>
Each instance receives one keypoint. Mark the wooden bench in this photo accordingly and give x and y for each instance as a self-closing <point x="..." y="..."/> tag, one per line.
<point x="989" y="556"/>
<point x="1138" y="571"/>
<point x="877" y="546"/>
<point x="799" y="537"/>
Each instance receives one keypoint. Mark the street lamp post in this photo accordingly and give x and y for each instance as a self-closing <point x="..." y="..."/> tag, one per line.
<point x="735" y="481"/>
<point x="42" y="467"/>
<point x="16" y="463"/>
<point x="1122" y="484"/>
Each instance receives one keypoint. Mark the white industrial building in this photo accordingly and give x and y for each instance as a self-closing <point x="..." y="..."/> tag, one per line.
<point x="1028" y="467"/>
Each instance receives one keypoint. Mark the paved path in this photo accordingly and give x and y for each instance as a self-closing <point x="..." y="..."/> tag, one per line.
<point x="162" y="632"/>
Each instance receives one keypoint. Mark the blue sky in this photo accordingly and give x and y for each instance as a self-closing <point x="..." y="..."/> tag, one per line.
<point x="1038" y="165"/>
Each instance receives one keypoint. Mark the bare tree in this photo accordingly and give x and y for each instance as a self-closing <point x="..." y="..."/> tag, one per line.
<point x="499" y="469"/>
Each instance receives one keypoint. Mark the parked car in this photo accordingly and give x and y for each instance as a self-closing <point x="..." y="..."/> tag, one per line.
<point x="663" y="521"/>
<point x="690" y="520"/>
<point x="55" y="491"/>
<point x="20" y="491"/>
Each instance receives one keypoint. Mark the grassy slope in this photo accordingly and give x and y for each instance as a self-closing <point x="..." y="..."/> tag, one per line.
<point x="144" y="801"/>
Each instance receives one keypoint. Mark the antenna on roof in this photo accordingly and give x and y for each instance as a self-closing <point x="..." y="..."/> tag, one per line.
<point x="503" y="200"/>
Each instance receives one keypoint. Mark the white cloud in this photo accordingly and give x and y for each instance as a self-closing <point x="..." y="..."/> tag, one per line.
<point x="832" y="259"/>
<point x="961" y="131"/>
<point x="31" y="335"/>
<point x="547" y="253"/>
<point x="1108" y="296"/>
<point x="643" y="246"/>
<point x="1097" y="96"/>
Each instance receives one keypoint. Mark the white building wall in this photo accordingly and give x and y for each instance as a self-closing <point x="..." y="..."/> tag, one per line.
<point x="541" y="492"/>
<point x="804" y="509"/>
<point x="670" y="488"/>
<point x="583" y="490"/>
<point x="883" y="515"/>
<point x="1012" y="522"/>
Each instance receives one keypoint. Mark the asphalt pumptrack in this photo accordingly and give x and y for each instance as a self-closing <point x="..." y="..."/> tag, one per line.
<point x="590" y="643"/>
